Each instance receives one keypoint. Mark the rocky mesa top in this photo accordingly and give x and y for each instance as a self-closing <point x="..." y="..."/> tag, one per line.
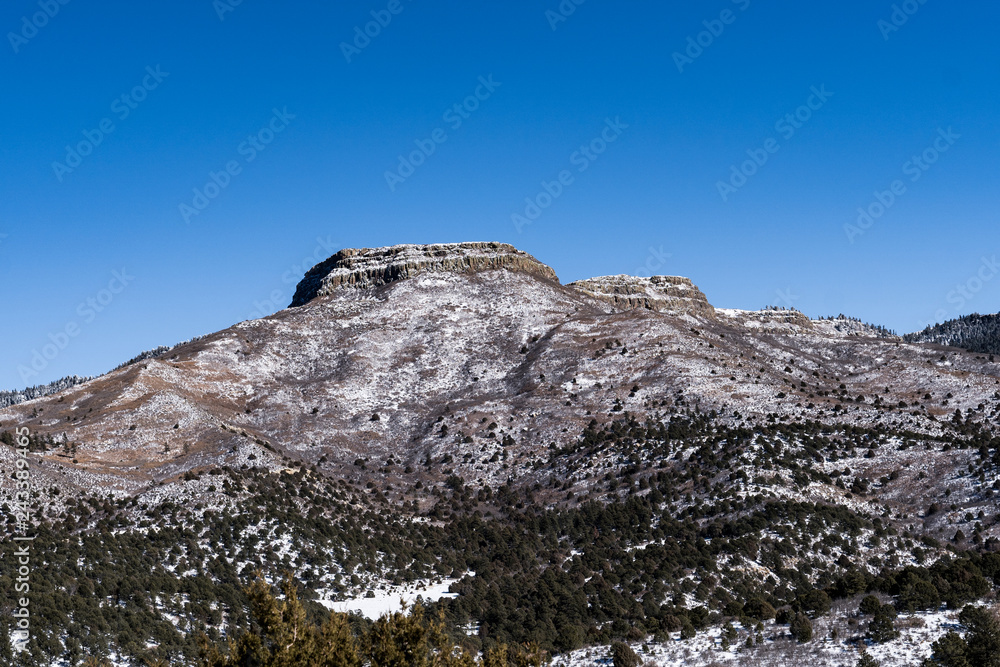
<point x="372" y="267"/>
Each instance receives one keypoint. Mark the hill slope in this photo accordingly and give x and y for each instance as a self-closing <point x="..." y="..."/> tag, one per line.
<point x="611" y="458"/>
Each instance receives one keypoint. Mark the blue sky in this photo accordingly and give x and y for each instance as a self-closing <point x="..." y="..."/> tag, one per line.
<point x="117" y="115"/>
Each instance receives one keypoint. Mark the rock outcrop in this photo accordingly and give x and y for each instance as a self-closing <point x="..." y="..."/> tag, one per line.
<point x="851" y="326"/>
<point x="785" y="319"/>
<point x="659" y="293"/>
<point x="372" y="267"/>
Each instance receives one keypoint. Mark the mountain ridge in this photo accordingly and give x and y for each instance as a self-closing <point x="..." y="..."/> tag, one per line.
<point x="487" y="330"/>
<point x="364" y="268"/>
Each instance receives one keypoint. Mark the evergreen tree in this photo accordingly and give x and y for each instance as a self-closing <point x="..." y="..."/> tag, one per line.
<point x="801" y="628"/>
<point x="622" y="655"/>
<point x="869" y="605"/>
<point x="950" y="651"/>
<point x="983" y="637"/>
<point x="866" y="660"/>
<point x="881" y="628"/>
<point x="286" y="638"/>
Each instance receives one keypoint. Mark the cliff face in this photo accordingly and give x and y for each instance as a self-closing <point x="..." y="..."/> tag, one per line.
<point x="659" y="293"/>
<point x="372" y="267"/>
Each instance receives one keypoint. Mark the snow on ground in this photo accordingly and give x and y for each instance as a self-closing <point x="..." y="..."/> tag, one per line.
<point x="917" y="633"/>
<point x="393" y="599"/>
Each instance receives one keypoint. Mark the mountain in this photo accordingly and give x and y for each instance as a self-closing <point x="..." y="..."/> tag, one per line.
<point x="612" y="458"/>
<point x="476" y="331"/>
<point x="976" y="333"/>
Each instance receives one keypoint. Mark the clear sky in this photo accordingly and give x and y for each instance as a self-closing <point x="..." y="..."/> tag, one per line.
<point x="730" y="141"/>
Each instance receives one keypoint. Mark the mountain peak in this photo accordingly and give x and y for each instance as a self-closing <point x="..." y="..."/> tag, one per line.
<point x="373" y="267"/>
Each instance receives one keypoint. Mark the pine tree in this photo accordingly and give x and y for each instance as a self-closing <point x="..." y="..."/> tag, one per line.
<point x="622" y="655"/>
<point x="801" y="628"/>
<point x="881" y="629"/>
<point x="866" y="660"/>
<point x="286" y="638"/>
<point x="870" y="605"/>
<point x="983" y="637"/>
<point x="950" y="651"/>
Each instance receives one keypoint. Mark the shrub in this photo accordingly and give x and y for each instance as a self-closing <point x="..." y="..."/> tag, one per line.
<point x="867" y="661"/>
<point x="801" y="628"/>
<point x="622" y="655"/>
<point x="869" y="605"/>
<point x="758" y="609"/>
<point x="881" y="629"/>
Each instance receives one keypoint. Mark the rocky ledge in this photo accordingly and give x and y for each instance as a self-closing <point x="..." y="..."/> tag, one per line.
<point x="787" y="319"/>
<point x="659" y="293"/>
<point x="373" y="267"/>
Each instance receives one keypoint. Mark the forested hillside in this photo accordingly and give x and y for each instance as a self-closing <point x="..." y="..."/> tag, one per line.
<point x="976" y="333"/>
<point x="13" y="397"/>
<point x="692" y="525"/>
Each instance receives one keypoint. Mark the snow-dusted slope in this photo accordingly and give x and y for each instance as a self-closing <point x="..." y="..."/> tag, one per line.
<point x="424" y="351"/>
